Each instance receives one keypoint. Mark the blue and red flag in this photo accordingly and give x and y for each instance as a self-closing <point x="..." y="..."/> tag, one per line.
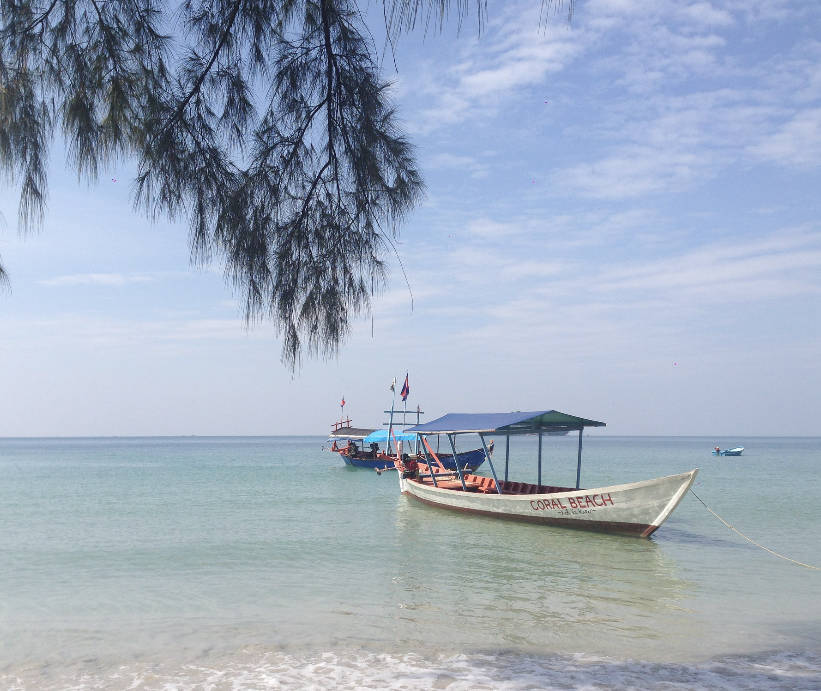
<point x="405" y="389"/>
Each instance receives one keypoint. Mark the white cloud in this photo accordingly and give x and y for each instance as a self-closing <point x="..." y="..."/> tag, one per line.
<point x="97" y="331"/>
<point x="763" y="10"/>
<point x="663" y="282"/>
<point x="520" y="65"/>
<point x="706" y="13"/>
<point x="672" y="141"/>
<point x="103" y="279"/>
<point x="674" y="134"/>
<point x="782" y="264"/>
<point x="518" y="270"/>
<point x="664" y="302"/>
<point x="720" y="13"/>
<point x="796" y="143"/>
<point x="809" y="72"/>
<point x="513" y="54"/>
<point x="490" y="229"/>
<point x="633" y="173"/>
<point x="465" y="164"/>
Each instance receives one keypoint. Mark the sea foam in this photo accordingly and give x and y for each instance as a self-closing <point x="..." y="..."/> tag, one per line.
<point x="360" y="670"/>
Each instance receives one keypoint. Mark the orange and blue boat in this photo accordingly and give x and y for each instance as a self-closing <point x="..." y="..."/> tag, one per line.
<point x="376" y="449"/>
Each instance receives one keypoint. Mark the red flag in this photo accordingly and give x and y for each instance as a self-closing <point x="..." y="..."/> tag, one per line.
<point x="343" y="402"/>
<point x="405" y="389"/>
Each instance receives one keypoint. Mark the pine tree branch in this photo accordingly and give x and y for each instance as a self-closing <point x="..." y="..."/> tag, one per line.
<point x="42" y="18"/>
<point x="330" y="64"/>
<point x="201" y="78"/>
<point x="304" y="212"/>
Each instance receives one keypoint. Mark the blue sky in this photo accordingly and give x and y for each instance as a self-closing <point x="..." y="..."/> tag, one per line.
<point x="622" y="221"/>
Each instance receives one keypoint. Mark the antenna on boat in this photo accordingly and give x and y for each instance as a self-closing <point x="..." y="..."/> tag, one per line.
<point x="390" y="422"/>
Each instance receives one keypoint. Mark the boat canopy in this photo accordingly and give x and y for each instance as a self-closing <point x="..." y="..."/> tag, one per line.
<point x="355" y="433"/>
<point x="531" y="422"/>
<point x="380" y="436"/>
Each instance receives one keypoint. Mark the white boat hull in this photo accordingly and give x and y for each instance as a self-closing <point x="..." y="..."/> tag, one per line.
<point x="638" y="508"/>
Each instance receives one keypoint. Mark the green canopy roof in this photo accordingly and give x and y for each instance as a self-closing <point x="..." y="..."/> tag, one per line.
<point x="531" y="422"/>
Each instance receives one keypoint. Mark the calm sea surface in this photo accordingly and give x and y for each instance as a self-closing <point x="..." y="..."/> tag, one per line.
<point x="265" y="562"/>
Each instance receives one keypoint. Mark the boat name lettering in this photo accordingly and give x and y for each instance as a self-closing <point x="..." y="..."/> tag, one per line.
<point x="542" y="504"/>
<point x="583" y="502"/>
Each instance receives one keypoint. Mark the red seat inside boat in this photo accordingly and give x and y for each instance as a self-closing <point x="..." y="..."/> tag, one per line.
<point x="486" y="484"/>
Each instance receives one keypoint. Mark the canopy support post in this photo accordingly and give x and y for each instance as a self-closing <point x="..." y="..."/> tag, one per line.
<point x="427" y="459"/>
<point x="456" y="461"/>
<point x="540" y="460"/>
<point x="507" y="454"/>
<point x="579" y="464"/>
<point x="492" y="469"/>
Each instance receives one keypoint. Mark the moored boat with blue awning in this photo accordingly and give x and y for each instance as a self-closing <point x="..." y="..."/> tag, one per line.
<point x="370" y="448"/>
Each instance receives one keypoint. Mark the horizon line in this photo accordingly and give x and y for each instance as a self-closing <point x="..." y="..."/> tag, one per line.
<point x="321" y="436"/>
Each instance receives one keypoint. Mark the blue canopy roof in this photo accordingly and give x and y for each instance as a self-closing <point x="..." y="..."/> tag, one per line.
<point x="380" y="436"/>
<point x="530" y="422"/>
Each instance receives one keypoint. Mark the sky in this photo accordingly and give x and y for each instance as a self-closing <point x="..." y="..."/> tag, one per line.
<point x="622" y="222"/>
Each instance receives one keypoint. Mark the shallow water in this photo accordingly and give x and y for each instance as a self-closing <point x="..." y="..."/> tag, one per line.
<point x="258" y="562"/>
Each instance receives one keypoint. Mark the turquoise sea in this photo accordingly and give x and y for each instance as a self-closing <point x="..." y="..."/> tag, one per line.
<point x="234" y="563"/>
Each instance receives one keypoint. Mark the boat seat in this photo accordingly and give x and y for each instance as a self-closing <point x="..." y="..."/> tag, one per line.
<point x="456" y="484"/>
<point x="487" y="485"/>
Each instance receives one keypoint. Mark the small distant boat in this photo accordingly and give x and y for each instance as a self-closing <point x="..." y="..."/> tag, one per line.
<point x="737" y="451"/>
<point x="636" y="508"/>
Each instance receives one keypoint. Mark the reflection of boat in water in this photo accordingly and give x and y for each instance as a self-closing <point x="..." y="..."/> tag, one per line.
<point x="737" y="451"/>
<point x="637" y="508"/>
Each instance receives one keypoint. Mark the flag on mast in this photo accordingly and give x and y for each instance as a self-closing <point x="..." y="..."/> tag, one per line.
<point x="343" y="402"/>
<point x="405" y="389"/>
<point x="393" y="385"/>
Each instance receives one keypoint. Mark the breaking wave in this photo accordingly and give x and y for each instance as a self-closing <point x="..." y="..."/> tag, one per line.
<point x="357" y="670"/>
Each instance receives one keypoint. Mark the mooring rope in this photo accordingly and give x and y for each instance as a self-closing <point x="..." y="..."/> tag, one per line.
<point x="766" y="549"/>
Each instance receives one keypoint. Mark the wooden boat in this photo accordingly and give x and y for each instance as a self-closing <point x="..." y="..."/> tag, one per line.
<point x="636" y="508"/>
<point x="368" y="448"/>
<point x="377" y="459"/>
<point x="737" y="451"/>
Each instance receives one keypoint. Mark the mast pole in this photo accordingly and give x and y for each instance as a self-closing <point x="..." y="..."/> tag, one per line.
<point x="540" y="459"/>
<point x="390" y="422"/>
<point x="507" y="454"/>
<point x="579" y="464"/>
<point x="418" y="445"/>
<point x="424" y="443"/>
<point x="456" y="461"/>
<point x="492" y="469"/>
